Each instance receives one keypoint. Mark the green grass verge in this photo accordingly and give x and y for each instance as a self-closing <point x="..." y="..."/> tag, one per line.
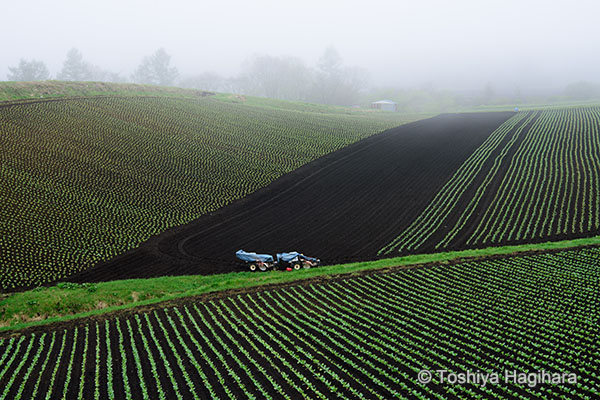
<point x="10" y="91"/>
<point x="530" y="106"/>
<point x="68" y="301"/>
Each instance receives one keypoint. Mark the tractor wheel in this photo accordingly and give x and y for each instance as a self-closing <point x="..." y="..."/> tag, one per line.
<point x="262" y="267"/>
<point x="252" y="267"/>
<point x="306" y="265"/>
<point x="297" y="267"/>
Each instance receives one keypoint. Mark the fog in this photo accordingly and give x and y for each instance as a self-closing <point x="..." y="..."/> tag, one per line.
<point x="516" y="46"/>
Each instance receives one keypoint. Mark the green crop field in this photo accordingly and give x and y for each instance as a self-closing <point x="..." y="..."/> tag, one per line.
<point x="537" y="177"/>
<point x="363" y="337"/>
<point x="93" y="172"/>
<point x="88" y="178"/>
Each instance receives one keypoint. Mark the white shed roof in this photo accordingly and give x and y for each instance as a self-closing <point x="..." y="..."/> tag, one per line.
<point x="384" y="102"/>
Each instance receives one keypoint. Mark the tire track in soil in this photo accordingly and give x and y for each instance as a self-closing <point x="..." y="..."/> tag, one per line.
<point x="341" y="207"/>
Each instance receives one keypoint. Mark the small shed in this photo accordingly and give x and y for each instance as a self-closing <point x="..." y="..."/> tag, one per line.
<point x="386" y="105"/>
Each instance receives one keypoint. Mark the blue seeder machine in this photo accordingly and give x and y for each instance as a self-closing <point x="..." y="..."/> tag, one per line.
<point x="289" y="261"/>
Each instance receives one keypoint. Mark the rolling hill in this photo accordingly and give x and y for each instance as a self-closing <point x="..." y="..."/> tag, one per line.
<point x="88" y="177"/>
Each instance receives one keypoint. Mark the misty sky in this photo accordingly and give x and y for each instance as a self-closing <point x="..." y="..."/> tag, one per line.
<point x="448" y="44"/>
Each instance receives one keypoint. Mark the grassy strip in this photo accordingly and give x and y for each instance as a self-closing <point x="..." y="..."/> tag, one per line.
<point x="10" y="91"/>
<point x="530" y="106"/>
<point x="68" y="301"/>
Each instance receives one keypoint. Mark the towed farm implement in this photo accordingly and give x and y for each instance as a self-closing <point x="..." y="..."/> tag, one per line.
<point x="288" y="261"/>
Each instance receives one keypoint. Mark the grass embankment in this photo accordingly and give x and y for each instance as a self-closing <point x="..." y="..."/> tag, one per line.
<point x="67" y="301"/>
<point x="10" y="91"/>
<point x="530" y="106"/>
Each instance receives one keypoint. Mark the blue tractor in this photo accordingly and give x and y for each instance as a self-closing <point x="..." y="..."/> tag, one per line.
<point x="289" y="261"/>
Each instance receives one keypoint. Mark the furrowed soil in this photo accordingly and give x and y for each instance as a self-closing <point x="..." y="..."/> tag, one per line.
<point x="342" y="207"/>
<point x="463" y="201"/>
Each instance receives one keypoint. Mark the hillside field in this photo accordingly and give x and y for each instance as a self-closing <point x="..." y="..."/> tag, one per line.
<point x="452" y="182"/>
<point x="537" y="179"/>
<point x="84" y="179"/>
<point x="476" y="236"/>
<point x="341" y="208"/>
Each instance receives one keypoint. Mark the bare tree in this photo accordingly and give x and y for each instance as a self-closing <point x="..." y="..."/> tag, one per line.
<point x="155" y="70"/>
<point x="29" y="71"/>
<point x="276" y="77"/>
<point x="336" y="84"/>
<point x="330" y="63"/>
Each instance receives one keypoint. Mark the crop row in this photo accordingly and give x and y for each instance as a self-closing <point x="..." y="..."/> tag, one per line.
<point x="543" y="182"/>
<point x="552" y="186"/>
<point x="364" y="337"/>
<point x="83" y="180"/>
<point x="444" y="202"/>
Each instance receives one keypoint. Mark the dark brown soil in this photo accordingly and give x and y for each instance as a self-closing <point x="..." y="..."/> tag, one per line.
<point x="472" y="223"/>
<point x="342" y="207"/>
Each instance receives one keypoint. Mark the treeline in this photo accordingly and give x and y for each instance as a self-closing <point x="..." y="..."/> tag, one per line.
<point x="289" y="78"/>
<point x="154" y="69"/>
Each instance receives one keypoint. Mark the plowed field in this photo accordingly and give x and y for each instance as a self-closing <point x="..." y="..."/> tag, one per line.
<point x="344" y="206"/>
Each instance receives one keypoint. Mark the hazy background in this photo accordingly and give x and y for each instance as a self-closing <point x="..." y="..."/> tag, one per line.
<point x="512" y="49"/>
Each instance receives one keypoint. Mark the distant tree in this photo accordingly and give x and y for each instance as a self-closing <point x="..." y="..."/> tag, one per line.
<point x="28" y="71"/>
<point x="336" y="84"/>
<point x="330" y="63"/>
<point x="74" y="68"/>
<point x="155" y="70"/>
<point x="284" y="77"/>
<point x="354" y="80"/>
<point x="289" y="78"/>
